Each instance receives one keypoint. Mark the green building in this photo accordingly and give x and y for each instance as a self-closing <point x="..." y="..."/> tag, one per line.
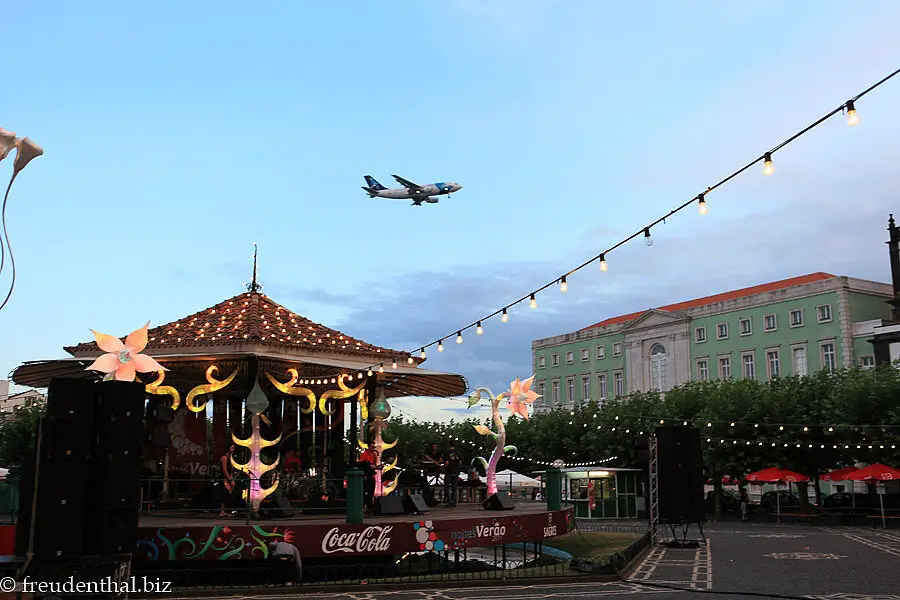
<point x="789" y="327"/>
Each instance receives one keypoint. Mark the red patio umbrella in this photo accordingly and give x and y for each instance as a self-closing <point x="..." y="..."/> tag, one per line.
<point x="839" y="474"/>
<point x="876" y="472"/>
<point x="774" y="474"/>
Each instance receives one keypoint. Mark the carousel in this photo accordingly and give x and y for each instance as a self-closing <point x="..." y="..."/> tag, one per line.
<point x="284" y="399"/>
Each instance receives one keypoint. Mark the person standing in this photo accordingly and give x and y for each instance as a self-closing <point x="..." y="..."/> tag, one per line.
<point x="452" y="462"/>
<point x="745" y="503"/>
<point x="227" y="488"/>
<point x="368" y="460"/>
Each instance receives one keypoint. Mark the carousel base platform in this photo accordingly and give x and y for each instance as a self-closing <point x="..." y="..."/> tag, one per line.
<point x="179" y="536"/>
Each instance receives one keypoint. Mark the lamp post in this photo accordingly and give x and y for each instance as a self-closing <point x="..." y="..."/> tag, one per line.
<point x="26" y="151"/>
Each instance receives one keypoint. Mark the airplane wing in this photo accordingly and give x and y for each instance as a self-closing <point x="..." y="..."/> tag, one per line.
<point x="413" y="187"/>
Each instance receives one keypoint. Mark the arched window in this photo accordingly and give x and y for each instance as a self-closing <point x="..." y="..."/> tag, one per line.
<point x="659" y="368"/>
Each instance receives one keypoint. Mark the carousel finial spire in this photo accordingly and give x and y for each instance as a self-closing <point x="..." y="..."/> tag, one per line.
<point x="254" y="286"/>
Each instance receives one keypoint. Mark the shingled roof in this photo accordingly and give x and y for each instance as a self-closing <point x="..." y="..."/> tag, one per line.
<point x="252" y="317"/>
<point x="723" y="297"/>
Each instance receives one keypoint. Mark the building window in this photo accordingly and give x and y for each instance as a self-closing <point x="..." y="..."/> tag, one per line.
<point x="658" y="367"/>
<point x="542" y="387"/>
<point x="617" y="349"/>
<point x="554" y="360"/>
<point x="746" y="326"/>
<point x="797" y="318"/>
<point x="824" y="313"/>
<point x="700" y="335"/>
<point x="867" y="361"/>
<point x="619" y="383"/>
<point x="542" y="362"/>
<point x="554" y="388"/>
<point x="798" y="355"/>
<point x="601" y="351"/>
<point x="703" y="370"/>
<point x="770" y="323"/>
<point x="828" y="357"/>
<point x="570" y="389"/>
<point x="585" y="387"/>
<point x="601" y="386"/>
<point x="773" y="363"/>
<point x="585" y="355"/>
<point x="722" y="331"/>
<point x="749" y="367"/>
<point x="724" y="367"/>
<point x="570" y="357"/>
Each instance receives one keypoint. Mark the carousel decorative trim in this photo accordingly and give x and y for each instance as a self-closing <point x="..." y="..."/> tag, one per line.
<point x="214" y="385"/>
<point x="156" y="388"/>
<point x="255" y="468"/>
<point x="289" y="388"/>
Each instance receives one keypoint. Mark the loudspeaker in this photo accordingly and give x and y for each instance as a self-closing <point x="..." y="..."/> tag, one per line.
<point x="282" y="508"/>
<point x="58" y="531"/>
<point x="71" y="398"/>
<point x="66" y="438"/>
<point x="120" y="437"/>
<point x="415" y="504"/>
<point x="160" y="412"/>
<point x="115" y="481"/>
<point x="121" y="400"/>
<point x="680" y="471"/>
<point x="159" y="438"/>
<point x="111" y="531"/>
<point x="389" y="505"/>
<point x="498" y="501"/>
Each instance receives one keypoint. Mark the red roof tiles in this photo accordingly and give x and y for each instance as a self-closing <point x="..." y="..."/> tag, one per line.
<point x="252" y="317"/>
<point x="723" y="297"/>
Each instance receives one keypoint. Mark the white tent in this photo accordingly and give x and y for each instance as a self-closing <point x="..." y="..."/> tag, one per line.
<point x="3" y="473"/>
<point x="511" y="480"/>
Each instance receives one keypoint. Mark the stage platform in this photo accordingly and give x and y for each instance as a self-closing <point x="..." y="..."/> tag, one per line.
<point x="178" y="536"/>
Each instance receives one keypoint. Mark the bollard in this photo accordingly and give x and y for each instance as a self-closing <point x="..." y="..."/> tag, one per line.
<point x="354" y="497"/>
<point x="554" y="489"/>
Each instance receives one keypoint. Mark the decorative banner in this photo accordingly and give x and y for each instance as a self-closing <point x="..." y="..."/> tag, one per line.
<point x="123" y="361"/>
<point x="340" y="540"/>
<point x="187" y="448"/>
<point x="519" y="396"/>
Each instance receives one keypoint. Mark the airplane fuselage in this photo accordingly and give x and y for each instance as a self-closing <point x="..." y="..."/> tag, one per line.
<point x="434" y="189"/>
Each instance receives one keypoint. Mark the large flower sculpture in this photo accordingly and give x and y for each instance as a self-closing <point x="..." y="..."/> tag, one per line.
<point x="519" y="396"/>
<point x="124" y="359"/>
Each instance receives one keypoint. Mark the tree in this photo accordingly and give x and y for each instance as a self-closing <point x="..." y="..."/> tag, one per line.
<point x="17" y="434"/>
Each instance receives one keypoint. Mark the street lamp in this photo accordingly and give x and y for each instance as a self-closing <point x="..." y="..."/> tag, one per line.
<point x="26" y="151"/>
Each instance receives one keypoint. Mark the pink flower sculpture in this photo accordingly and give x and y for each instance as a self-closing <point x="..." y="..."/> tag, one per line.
<point x="520" y="396"/>
<point x="123" y="360"/>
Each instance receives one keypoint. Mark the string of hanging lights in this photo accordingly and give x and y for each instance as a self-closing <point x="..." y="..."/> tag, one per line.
<point x="848" y="108"/>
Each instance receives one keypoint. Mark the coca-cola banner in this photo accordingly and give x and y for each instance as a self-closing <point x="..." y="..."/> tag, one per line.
<point x="224" y="542"/>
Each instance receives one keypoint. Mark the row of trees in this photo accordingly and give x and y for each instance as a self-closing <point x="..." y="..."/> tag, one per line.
<point x="809" y="424"/>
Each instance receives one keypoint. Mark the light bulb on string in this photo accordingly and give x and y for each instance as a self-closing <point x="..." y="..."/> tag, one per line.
<point x="603" y="265"/>
<point x="409" y="359"/>
<point x="369" y="373"/>
<point x="852" y="117"/>
<point x="702" y="204"/>
<point x="533" y="302"/>
<point x="394" y="364"/>
<point x="422" y="354"/>
<point x="479" y="329"/>
<point x="505" y="316"/>
<point x="459" y="338"/>
<point x="441" y="346"/>
<point x="647" y="239"/>
<point x="381" y="368"/>
<point x="768" y="167"/>
<point x="563" y="286"/>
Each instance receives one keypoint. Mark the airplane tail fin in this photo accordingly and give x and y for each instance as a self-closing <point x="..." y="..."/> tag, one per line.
<point x="374" y="185"/>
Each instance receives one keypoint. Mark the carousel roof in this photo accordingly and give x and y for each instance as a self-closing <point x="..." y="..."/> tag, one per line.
<point x="253" y="325"/>
<point x="251" y="318"/>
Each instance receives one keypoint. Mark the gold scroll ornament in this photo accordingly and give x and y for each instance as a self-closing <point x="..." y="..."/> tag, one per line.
<point x="156" y="388"/>
<point x="289" y="389"/>
<point x="214" y="385"/>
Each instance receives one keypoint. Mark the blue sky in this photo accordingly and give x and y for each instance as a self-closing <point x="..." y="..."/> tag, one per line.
<point x="176" y="134"/>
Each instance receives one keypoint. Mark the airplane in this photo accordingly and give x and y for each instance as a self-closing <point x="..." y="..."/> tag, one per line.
<point x="417" y="193"/>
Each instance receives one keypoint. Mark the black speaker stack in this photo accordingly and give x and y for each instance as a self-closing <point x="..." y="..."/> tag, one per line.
<point x="498" y="501"/>
<point x="680" y="475"/>
<point x="82" y="493"/>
